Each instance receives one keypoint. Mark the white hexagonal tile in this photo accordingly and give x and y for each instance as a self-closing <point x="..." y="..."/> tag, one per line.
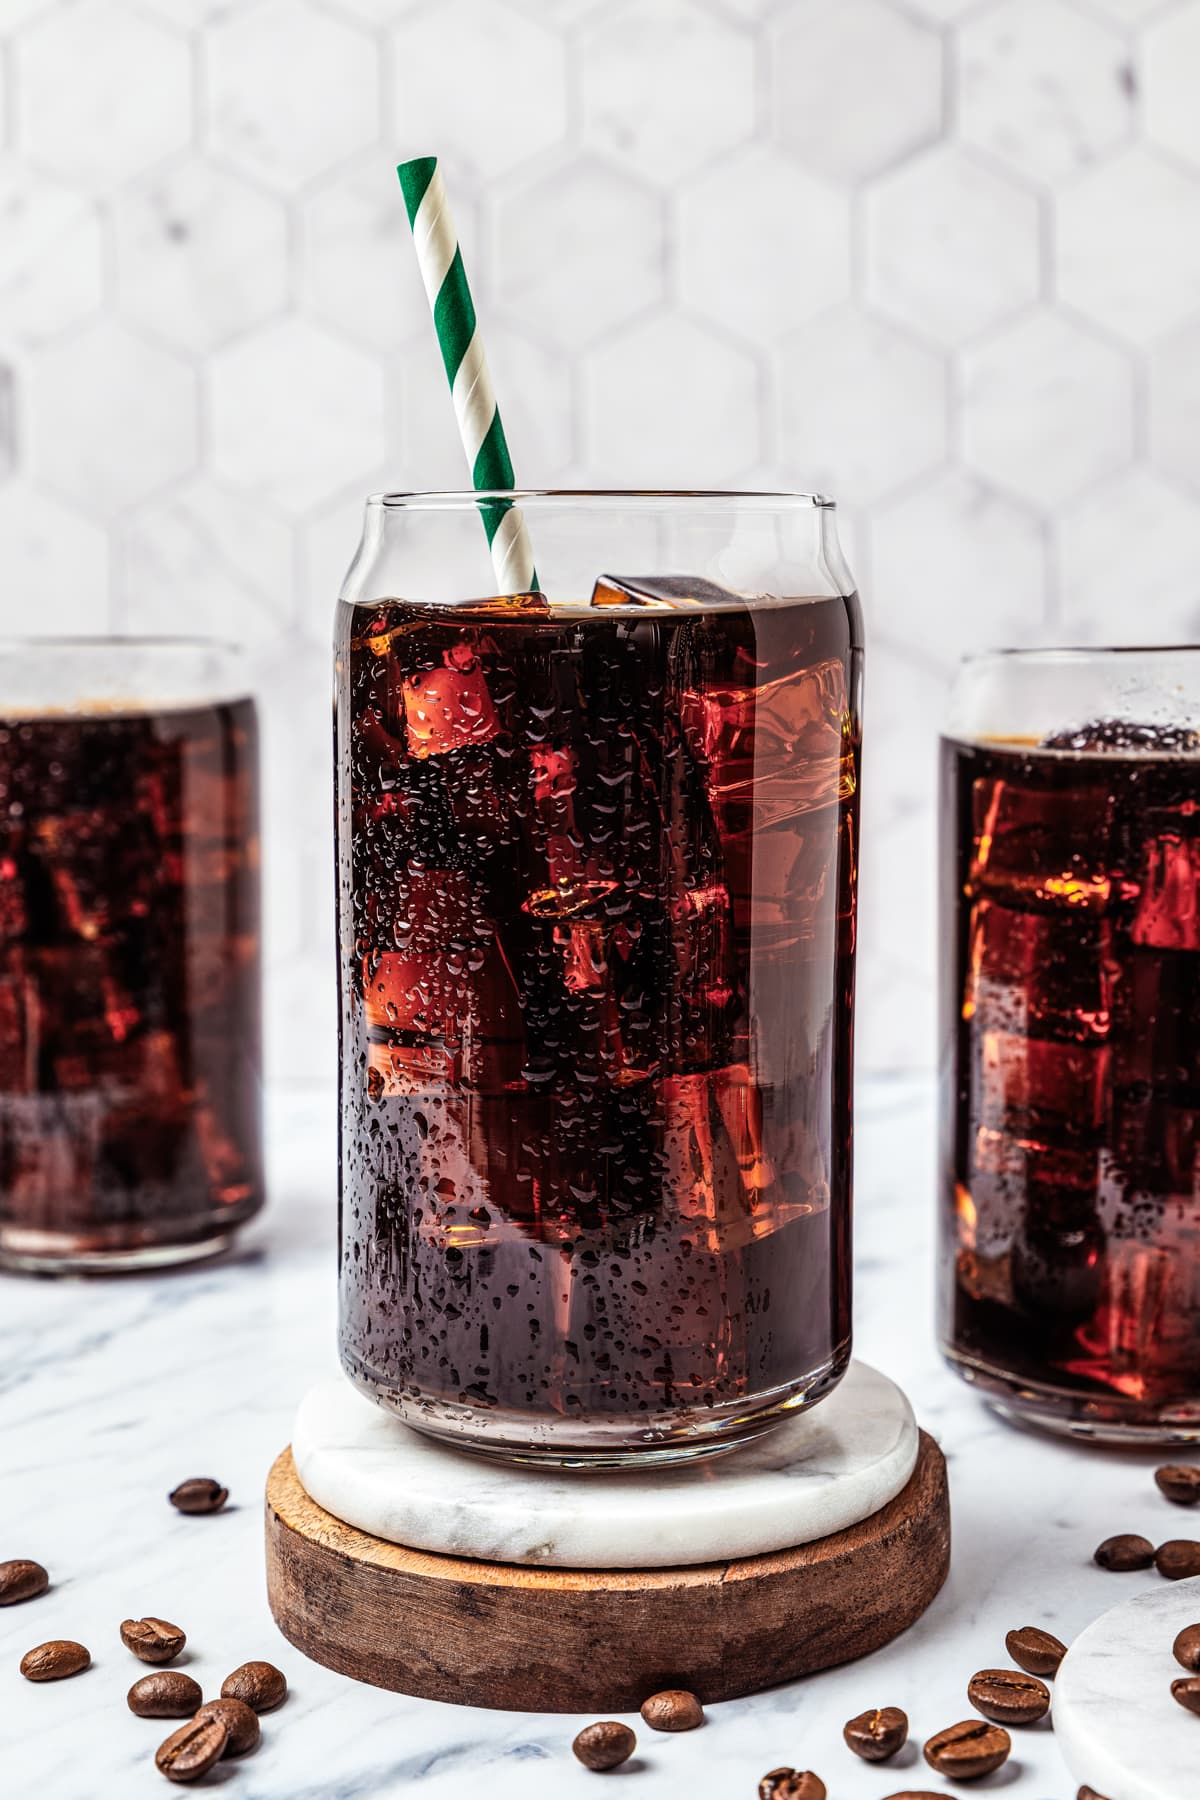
<point x="952" y="247"/>
<point x="1128" y="12"/>
<point x="835" y="119"/>
<point x="1174" y="370"/>
<point x="1125" y="255"/>
<point x="668" y="404"/>
<point x="481" y="85"/>
<point x="359" y="271"/>
<point x="200" y="255"/>
<point x="899" y="894"/>
<point x="1170" y="60"/>
<point x="212" y="557"/>
<point x="328" y="540"/>
<point x="907" y="702"/>
<point x="1047" y="409"/>
<point x="51" y="255"/>
<point x="862" y="408"/>
<point x="111" y="419"/>
<point x="944" y="12"/>
<point x="295" y="415"/>
<point x="8" y="423"/>
<point x="608" y="259"/>
<point x="102" y="128"/>
<point x="291" y="90"/>
<point x="533" y="382"/>
<point x="957" y="568"/>
<point x="1043" y="88"/>
<point x="665" y="88"/>
<point x="740" y="264"/>
<point x="55" y="564"/>
<point x="1128" y="556"/>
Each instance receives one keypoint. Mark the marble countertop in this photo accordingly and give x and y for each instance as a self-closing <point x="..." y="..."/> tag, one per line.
<point x="111" y="1392"/>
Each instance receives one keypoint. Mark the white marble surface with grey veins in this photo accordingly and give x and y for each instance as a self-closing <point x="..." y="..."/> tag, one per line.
<point x="815" y="1474"/>
<point x="111" y="1392"/>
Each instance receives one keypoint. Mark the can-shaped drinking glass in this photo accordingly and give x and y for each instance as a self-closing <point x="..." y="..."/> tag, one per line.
<point x="130" y="993"/>
<point x="597" y="853"/>
<point x="1070" y="1278"/>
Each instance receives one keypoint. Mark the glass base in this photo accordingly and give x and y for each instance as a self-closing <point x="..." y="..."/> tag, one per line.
<point x="603" y="1443"/>
<point x="27" y="1252"/>
<point x="1087" y="1417"/>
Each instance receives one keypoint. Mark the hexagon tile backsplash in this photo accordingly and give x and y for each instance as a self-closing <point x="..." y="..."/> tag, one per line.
<point x="938" y="257"/>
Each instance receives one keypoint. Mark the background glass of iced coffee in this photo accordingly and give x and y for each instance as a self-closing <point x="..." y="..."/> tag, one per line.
<point x="598" y="851"/>
<point x="1070" y="1283"/>
<point x="130" y="1062"/>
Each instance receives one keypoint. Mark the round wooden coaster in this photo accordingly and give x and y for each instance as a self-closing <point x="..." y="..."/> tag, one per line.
<point x="577" y="1640"/>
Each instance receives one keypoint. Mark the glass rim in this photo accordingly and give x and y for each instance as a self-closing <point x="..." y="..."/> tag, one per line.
<point x="118" y="640"/>
<point x="452" y="499"/>
<point x="1073" y="653"/>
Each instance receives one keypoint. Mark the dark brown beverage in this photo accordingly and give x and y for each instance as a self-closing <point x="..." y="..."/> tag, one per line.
<point x="130" y="1085"/>
<point x="1071" y="931"/>
<point x="597" y="883"/>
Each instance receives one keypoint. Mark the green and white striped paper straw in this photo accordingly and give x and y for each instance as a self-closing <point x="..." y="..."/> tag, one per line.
<point x="440" y="261"/>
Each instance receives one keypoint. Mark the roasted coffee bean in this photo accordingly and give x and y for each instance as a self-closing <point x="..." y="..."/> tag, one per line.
<point x="1034" y="1650"/>
<point x="1178" y="1558"/>
<point x="167" y="1694"/>
<point x="1180" y="1482"/>
<point x="791" y="1784"/>
<point x="200" y="1494"/>
<point x="604" y="1745"/>
<point x="1187" y="1648"/>
<point x="55" y="1661"/>
<point x="259" y="1684"/>
<point x="245" y="1732"/>
<point x="919" y="1794"/>
<point x="1008" y="1697"/>
<point x="21" y="1580"/>
<point x="877" y="1735"/>
<point x="191" y="1751"/>
<point x="673" y="1710"/>
<point x="152" y="1640"/>
<point x="1187" y="1691"/>
<point x="1087" y="1793"/>
<point x="1120" y="1554"/>
<point x="965" y="1752"/>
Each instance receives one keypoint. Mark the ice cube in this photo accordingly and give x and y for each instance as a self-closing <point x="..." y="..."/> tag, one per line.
<point x="670" y="591"/>
<point x="772" y="751"/>
<point x="1029" y="1084"/>
<point x="1156" y="1001"/>
<point x="1042" y="847"/>
<point x="1124" y="735"/>
<point x="447" y="707"/>
<point x="1047" y="971"/>
<point x="1168" y="910"/>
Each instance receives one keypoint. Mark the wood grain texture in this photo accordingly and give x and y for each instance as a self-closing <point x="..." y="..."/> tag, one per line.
<point x="577" y="1640"/>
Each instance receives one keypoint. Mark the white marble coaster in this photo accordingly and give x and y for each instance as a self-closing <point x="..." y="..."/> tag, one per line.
<point x="1114" y="1719"/>
<point x="814" y="1475"/>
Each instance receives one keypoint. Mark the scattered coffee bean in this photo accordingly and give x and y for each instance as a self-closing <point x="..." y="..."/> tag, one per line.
<point x="167" y="1694"/>
<point x="673" y="1710"/>
<point x="259" y="1684"/>
<point x="1087" y="1793"/>
<point x="919" y="1794"/>
<point x="877" y="1735"/>
<point x="199" y="1495"/>
<point x="1034" y="1650"/>
<point x="55" y="1661"/>
<point x="1187" y="1691"/>
<point x="21" y="1580"/>
<point x="791" y="1784"/>
<point x="1008" y="1697"/>
<point x="1187" y="1648"/>
<point x="604" y="1745"/>
<point x="1180" y="1482"/>
<point x="245" y="1732"/>
<point x="1178" y="1558"/>
<point x="191" y="1751"/>
<point x="965" y="1752"/>
<point x="152" y="1640"/>
<point x="1120" y="1554"/>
